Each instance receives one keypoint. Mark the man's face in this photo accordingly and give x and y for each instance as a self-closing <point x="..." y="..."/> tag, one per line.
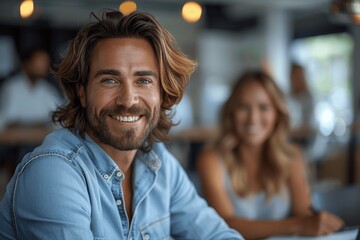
<point x="122" y="97"/>
<point x="38" y="65"/>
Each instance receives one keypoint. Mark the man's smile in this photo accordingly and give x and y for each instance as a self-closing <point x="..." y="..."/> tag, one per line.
<point x="126" y="118"/>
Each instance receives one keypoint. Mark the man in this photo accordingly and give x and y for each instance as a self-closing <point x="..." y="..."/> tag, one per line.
<point x="25" y="102"/>
<point x="105" y="175"/>
<point x="27" y="98"/>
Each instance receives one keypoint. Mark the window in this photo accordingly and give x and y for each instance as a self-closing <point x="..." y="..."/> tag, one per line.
<point x="327" y="60"/>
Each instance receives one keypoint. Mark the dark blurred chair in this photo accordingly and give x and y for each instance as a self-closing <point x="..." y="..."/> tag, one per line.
<point x="343" y="202"/>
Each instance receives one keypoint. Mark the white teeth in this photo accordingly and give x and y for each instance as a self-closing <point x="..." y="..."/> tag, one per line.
<point x="127" y="118"/>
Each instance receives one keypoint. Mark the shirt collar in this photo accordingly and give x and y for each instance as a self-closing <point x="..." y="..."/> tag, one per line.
<point x="102" y="161"/>
<point x="150" y="159"/>
<point x="106" y="165"/>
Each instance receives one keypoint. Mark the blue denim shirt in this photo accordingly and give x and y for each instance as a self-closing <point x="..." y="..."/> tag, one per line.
<point x="69" y="188"/>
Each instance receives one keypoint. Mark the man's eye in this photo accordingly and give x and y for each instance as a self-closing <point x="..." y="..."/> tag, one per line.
<point x="144" y="81"/>
<point x="108" y="81"/>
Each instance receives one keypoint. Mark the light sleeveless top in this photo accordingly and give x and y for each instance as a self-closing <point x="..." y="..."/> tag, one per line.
<point x="257" y="207"/>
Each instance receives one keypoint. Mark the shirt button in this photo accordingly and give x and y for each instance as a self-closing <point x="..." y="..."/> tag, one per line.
<point x="146" y="237"/>
<point x="118" y="202"/>
<point x="106" y="176"/>
<point x="119" y="174"/>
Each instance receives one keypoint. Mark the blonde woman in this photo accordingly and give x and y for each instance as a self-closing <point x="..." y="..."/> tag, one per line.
<point x="253" y="177"/>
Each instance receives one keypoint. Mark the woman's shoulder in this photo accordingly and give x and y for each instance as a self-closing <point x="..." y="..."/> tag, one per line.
<point x="296" y="156"/>
<point x="296" y="150"/>
<point x="209" y="153"/>
<point x="209" y="158"/>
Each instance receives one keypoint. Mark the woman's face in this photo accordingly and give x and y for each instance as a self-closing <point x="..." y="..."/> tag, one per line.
<point x="255" y="114"/>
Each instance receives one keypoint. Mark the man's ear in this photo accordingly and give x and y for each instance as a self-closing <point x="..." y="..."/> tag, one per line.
<point x="81" y="93"/>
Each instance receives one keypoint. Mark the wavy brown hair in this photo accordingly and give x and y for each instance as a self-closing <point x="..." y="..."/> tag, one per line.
<point x="174" y="67"/>
<point x="274" y="168"/>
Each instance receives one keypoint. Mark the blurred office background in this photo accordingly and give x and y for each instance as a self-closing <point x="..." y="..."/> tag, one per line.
<point x="229" y="37"/>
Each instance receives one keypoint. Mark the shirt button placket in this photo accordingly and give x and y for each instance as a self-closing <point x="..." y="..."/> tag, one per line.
<point x="119" y="174"/>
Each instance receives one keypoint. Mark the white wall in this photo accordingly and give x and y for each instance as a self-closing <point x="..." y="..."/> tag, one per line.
<point x="277" y="28"/>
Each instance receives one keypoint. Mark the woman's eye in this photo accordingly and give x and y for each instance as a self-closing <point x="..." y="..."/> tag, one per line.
<point x="264" y="107"/>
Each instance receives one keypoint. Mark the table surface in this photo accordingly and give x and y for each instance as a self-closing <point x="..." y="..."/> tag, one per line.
<point x="23" y="136"/>
<point x="342" y="235"/>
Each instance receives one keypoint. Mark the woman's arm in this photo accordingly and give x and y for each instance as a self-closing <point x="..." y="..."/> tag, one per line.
<point x="211" y="173"/>
<point x="299" y="186"/>
<point x="191" y="217"/>
<point x="311" y="223"/>
<point x="314" y="225"/>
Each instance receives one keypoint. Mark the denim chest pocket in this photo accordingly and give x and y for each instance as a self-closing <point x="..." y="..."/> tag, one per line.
<point x="157" y="230"/>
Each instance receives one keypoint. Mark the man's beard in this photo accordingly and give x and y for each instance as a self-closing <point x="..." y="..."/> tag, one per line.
<point x="128" y="139"/>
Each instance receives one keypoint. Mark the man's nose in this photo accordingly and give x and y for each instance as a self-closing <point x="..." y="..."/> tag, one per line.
<point x="128" y="96"/>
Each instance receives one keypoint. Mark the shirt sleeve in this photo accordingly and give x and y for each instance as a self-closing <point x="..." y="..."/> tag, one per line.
<point x="50" y="201"/>
<point x="191" y="217"/>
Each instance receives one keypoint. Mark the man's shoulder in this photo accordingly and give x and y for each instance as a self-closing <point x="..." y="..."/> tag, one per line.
<point x="14" y="81"/>
<point x="45" y="85"/>
<point x="61" y="142"/>
<point x="58" y="153"/>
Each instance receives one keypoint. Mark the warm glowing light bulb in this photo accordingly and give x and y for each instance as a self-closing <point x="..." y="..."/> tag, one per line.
<point x="356" y="18"/>
<point x="191" y="12"/>
<point x="26" y="8"/>
<point x="127" y="7"/>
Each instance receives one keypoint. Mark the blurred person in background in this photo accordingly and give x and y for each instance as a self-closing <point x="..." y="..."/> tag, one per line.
<point x="106" y="174"/>
<point x="252" y="175"/>
<point x="26" y="100"/>
<point x="301" y="107"/>
<point x="28" y="97"/>
<point x="303" y="126"/>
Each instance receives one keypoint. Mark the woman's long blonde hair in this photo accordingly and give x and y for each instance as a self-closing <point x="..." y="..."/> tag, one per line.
<point x="277" y="151"/>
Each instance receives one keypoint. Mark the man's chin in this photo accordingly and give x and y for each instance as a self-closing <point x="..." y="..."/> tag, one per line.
<point x="128" y="141"/>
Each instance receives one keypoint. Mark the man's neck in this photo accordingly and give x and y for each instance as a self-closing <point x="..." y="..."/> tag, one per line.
<point x="123" y="159"/>
<point x="32" y="79"/>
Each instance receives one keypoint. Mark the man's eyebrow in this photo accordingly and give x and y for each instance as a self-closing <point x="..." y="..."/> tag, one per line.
<point x="107" y="72"/>
<point x="146" y="73"/>
<point x="114" y="72"/>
